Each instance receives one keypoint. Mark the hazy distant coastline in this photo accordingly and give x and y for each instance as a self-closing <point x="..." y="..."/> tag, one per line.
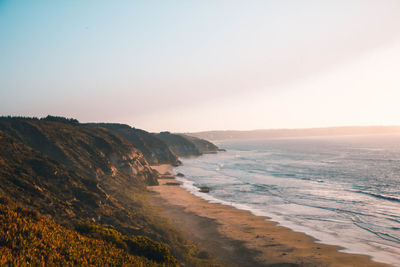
<point x="279" y="133"/>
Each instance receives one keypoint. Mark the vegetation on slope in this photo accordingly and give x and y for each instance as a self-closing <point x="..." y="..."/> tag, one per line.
<point x="98" y="152"/>
<point x="202" y="145"/>
<point x="136" y="245"/>
<point x="28" y="239"/>
<point x="154" y="150"/>
<point x="178" y="144"/>
<point x="83" y="174"/>
<point x="185" y="146"/>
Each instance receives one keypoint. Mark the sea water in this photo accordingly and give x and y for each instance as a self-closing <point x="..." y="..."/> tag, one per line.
<point x="341" y="190"/>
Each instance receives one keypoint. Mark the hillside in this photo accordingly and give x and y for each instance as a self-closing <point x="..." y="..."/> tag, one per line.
<point x="71" y="172"/>
<point x="202" y="145"/>
<point x="153" y="149"/>
<point x="26" y="238"/>
<point x="79" y="174"/>
<point x="185" y="146"/>
<point x="164" y="147"/>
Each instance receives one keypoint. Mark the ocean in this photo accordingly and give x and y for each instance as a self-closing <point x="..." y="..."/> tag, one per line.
<point x="342" y="190"/>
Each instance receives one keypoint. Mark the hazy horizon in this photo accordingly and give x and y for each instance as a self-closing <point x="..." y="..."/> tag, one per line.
<point x="306" y="128"/>
<point x="203" y="66"/>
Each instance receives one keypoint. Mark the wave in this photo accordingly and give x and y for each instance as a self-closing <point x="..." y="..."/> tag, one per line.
<point x="382" y="235"/>
<point x="386" y="197"/>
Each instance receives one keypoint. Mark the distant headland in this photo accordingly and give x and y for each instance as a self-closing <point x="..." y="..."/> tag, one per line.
<point x="306" y="132"/>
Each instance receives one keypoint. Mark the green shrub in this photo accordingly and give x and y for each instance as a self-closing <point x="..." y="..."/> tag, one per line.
<point x="28" y="239"/>
<point x="135" y="245"/>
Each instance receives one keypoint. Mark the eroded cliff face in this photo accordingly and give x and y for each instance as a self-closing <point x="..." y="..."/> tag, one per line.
<point x="35" y="180"/>
<point x="72" y="172"/>
<point x="153" y="149"/>
<point x="164" y="147"/>
<point x="79" y="172"/>
<point x="90" y="149"/>
<point x="179" y="145"/>
<point x="133" y="165"/>
<point x="203" y="146"/>
<point x="83" y="174"/>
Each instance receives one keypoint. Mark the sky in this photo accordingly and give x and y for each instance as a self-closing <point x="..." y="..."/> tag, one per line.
<point x="187" y="66"/>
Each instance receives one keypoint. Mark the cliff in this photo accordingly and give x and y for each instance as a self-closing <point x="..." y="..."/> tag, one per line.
<point x="179" y="145"/>
<point x="70" y="172"/>
<point x="164" y="147"/>
<point x="94" y="150"/>
<point x="78" y="174"/>
<point x="185" y="146"/>
<point x="202" y="145"/>
<point x="153" y="149"/>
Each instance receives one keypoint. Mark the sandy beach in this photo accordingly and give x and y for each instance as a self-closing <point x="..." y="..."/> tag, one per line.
<point x="238" y="238"/>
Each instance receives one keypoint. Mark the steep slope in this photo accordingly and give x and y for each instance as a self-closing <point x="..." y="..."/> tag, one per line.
<point x="94" y="150"/>
<point x="82" y="174"/>
<point x="73" y="173"/>
<point x="185" y="146"/>
<point x="179" y="145"/>
<point x="35" y="180"/>
<point x="70" y="194"/>
<point x="202" y="145"/>
<point x="153" y="149"/>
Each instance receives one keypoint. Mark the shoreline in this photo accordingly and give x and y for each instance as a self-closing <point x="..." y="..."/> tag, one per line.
<point x="237" y="237"/>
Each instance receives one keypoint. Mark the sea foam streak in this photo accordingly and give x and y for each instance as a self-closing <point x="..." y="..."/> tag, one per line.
<point x="341" y="190"/>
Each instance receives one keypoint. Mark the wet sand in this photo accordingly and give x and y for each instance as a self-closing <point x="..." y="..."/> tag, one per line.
<point x="238" y="238"/>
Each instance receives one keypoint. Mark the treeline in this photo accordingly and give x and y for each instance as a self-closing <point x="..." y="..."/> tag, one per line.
<point x="47" y="118"/>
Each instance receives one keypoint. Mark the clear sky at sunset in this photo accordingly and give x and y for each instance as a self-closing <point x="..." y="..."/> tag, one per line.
<point x="203" y="65"/>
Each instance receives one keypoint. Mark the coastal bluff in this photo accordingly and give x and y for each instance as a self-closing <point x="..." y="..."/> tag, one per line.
<point x="91" y="179"/>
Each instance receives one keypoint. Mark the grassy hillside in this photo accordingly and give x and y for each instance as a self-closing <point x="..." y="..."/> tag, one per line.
<point x="87" y="175"/>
